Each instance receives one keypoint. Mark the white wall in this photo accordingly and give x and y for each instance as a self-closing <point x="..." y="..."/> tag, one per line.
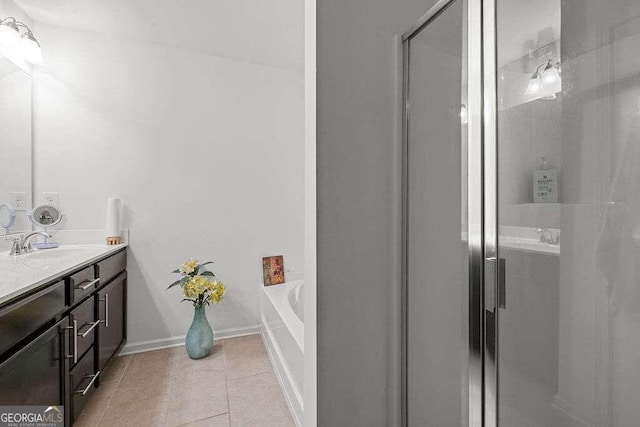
<point x="206" y="152"/>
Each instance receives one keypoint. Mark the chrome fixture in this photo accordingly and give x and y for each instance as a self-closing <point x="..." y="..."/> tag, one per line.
<point x="22" y="244"/>
<point x="546" y="83"/>
<point x="547" y="236"/>
<point x="25" y="45"/>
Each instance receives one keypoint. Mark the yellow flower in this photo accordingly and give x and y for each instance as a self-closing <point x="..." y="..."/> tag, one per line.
<point x="199" y="285"/>
<point x="216" y="291"/>
<point x="190" y="289"/>
<point x="189" y="267"/>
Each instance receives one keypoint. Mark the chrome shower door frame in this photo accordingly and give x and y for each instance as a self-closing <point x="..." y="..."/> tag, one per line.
<point x="482" y="207"/>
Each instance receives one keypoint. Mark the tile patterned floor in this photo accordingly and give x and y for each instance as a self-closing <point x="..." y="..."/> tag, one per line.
<point x="234" y="386"/>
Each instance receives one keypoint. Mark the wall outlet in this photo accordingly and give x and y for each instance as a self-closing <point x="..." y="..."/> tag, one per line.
<point x="50" y="199"/>
<point x="19" y="200"/>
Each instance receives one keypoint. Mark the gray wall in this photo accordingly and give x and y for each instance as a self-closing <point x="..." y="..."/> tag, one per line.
<point x="358" y="159"/>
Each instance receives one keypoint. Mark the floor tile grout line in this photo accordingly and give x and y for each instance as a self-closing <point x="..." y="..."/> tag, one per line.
<point x="250" y="375"/>
<point x="204" y="419"/>
<point x="226" y="380"/>
<point x="176" y="377"/>
<point x="115" y="389"/>
<point x="269" y="369"/>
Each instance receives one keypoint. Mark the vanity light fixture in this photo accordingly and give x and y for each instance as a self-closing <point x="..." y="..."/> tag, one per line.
<point x="9" y="32"/>
<point x="546" y="83"/>
<point x="25" y="44"/>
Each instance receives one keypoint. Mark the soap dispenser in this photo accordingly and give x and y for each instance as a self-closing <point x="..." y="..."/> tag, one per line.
<point x="545" y="183"/>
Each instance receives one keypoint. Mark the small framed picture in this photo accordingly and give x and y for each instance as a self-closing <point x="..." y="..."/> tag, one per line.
<point x="273" y="270"/>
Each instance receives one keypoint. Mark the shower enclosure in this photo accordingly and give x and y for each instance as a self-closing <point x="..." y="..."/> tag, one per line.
<point x="521" y="214"/>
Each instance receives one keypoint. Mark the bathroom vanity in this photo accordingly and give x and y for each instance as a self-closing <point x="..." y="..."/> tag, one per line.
<point x="62" y="321"/>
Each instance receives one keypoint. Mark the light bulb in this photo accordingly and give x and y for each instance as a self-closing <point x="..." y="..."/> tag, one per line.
<point x="551" y="80"/>
<point x="30" y="49"/>
<point x="9" y="35"/>
<point x="534" y="85"/>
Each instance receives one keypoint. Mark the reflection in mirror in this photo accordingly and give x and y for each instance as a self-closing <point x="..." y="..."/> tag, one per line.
<point x="7" y="217"/>
<point x="15" y="128"/>
<point x="46" y="216"/>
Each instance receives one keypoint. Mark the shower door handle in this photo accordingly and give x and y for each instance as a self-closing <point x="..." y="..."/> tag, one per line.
<point x="495" y="286"/>
<point x="502" y="283"/>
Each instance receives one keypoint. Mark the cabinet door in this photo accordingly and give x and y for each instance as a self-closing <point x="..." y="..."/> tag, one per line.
<point x="35" y="375"/>
<point x="112" y="309"/>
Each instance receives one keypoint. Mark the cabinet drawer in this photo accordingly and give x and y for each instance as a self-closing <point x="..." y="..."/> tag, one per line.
<point x="84" y="324"/>
<point x="83" y="283"/>
<point x="82" y="381"/>
<point x="24" y="317"/>
<point x="112" y="266"/>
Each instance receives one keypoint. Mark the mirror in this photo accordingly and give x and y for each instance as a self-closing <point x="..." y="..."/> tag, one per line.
<point x="15" y="148"/>
<point x="45" y="216"/>
<point x="7" y="217"/>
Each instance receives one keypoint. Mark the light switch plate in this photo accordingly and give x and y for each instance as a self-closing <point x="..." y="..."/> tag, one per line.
<point x="19" y="200"/>
<point x="50" y="199"/>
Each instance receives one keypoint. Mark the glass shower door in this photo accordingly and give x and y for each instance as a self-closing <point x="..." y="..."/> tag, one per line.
<point x="436" y="257"/>
<point x="565" y="313"/>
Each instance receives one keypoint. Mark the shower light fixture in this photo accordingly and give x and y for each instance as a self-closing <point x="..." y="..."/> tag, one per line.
<point x="464" y="116"/>
<point x="535" y="84"/>
<point x="546" y="83"/>
<point x="25" y="44"/>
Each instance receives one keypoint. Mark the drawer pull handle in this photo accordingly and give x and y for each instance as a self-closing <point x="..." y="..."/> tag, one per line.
<point x="106" y="310"/>
<point x="74" y="328"/>
<point x="88" y="387"/>
<point x="85" y="333"/>
<point x="88" y="285"/>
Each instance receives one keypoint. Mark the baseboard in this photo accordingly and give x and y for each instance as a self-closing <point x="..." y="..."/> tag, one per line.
<point x="283" y="378"/>
<point x="142" y="346"/>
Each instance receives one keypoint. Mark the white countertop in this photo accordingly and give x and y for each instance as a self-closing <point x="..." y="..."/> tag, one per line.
<point x="524" y="239"/>
<point x="528" y="245"/>
<point x="19" y="274"/>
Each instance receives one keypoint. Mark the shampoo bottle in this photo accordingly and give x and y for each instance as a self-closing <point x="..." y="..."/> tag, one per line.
<point x="545" y="183"/>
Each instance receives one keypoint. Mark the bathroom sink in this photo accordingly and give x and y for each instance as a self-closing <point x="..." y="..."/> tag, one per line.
<point x="47" y="254"/>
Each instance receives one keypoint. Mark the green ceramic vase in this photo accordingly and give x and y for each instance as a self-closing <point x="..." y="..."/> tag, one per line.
<point x="199" y="340"/>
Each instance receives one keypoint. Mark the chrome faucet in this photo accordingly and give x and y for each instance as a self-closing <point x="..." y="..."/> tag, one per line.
<point x="546" y="236"/>
<point x="22" y="244"/>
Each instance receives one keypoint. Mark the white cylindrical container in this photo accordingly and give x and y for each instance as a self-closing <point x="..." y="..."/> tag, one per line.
<point x="113" y="218"/>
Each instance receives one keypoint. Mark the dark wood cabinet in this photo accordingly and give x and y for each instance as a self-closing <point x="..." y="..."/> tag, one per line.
<point x="24" y="317"/>
<point x="111" y="309"/>
<point x="56" y="341"/>
<point x="35" y="375"/>
<point x="82" y="381"/>
<point x="84" y="323"/>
